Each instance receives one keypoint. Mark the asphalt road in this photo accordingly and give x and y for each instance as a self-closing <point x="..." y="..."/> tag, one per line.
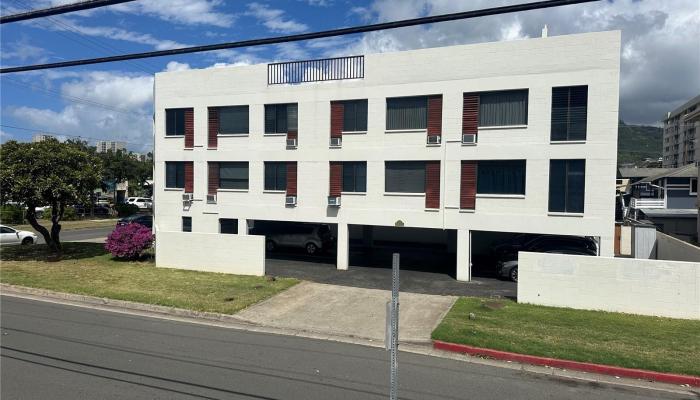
<point x="52" y="351"/>
<point x="82" y="234"/>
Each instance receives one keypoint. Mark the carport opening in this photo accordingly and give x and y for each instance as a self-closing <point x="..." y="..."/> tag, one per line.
<point x="297" y="241"/>
<point x="421" y="249"/>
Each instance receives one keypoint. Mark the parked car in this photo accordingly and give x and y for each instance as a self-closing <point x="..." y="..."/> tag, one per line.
<point x="310" y="237"/>
<point x="145" y="220"/>
<point x="140" y="202"/>
<point x="13" y="236"/>
<point x="100" y="210"/>
<point x="507" y="253"/>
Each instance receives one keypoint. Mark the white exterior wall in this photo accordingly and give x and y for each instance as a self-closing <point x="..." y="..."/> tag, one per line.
<point x="242" y="255"/>
<point x="647" y="287"/>
<point x="536" y="64"/>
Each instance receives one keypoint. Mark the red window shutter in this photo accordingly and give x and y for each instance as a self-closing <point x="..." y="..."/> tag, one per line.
<point x="213" y="127"/>
<point x="189" y="177"/>
<point x="470" y="113"/>
<point x="189" y="128"/>
<point x="292" y="178"/>
<point x="292" y="134"/>
<point x="213" y="177"/>
<point x="467" y="194"/>
<point x="336" y="178"/>
<point x="337" y="115"/>
<point x="435" y="115"/>
<point x="432" y="184"/>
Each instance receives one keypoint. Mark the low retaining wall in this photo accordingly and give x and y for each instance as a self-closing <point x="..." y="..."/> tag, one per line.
<point x="231" y="254"/>
<point x="648" y="287"/>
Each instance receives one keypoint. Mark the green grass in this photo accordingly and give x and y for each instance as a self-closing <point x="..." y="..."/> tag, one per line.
<point x="85" y="268"/>
<point x="626" y="340"/>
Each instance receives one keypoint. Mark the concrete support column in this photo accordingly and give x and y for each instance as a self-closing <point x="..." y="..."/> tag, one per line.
<point x="343" y="250"/>
<point x="242" y="226"/>
<point x="606" y="246"/>
<point x="464" y="265"/>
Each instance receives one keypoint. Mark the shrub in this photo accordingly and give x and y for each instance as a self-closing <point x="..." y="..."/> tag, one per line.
<point x="11" y="214"/>
<point x="124" y="209"/>
<point x="69" y="214"/>
<point x="129" y="241"/>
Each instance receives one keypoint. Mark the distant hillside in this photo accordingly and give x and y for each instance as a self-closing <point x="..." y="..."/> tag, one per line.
<point x="637" y="142"/>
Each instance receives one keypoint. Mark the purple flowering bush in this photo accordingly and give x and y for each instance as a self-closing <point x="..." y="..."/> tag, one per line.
<point x="128" y="241"/>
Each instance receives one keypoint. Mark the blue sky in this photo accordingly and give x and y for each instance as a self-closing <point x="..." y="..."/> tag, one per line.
<point x="660" y="56"/>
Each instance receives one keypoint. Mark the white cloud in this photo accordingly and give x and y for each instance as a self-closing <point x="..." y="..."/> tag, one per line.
<point x="186" y="12"/>
<point x="177" y="66"/>
<point x="274" y="19"/>
<point x="660" y="53"/>
<point x="129" y="98"/>
<point x="23" y="51"/>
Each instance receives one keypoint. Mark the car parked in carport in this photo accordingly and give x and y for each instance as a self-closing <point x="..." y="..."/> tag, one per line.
<point x="313" y="238"/>
<point x="507" y="253"/>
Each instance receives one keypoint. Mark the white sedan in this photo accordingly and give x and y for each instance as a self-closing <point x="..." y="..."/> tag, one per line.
<point x="13" y="236"/>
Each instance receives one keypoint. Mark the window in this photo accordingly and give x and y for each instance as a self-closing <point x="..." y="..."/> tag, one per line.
<point x="5" y="229"/>
<point x="404" y="177"/>
<point x="233" y="120"/>
<point x="275" y="176"/>
<point x="354" y="176"/>
<point x="407" y="113"/>
<point x="567" y="180"/>
<point x="693" y="186"/>
<point x="280" y="118"/>
<point x="175" y="174"/>
<point x="503" y="108"/>
<point x="501" y="177"/>
<point x="233" y="175"/>
<point x="227" y="225"/>
<point x="355" y="116"/>
<point x="569" y="113"/>
<point x="187" y="224"/>
<point x="175" y="122"/>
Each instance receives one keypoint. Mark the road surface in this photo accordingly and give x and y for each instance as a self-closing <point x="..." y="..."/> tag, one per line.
<point x="52" y="351"/>
<point x="82" y="234"/>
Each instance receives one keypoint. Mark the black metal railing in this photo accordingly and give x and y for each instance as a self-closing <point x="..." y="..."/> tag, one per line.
<point x="326" y="69"/>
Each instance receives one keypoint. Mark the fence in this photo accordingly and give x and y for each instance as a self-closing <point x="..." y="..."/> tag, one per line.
<point x="326" y="69"/>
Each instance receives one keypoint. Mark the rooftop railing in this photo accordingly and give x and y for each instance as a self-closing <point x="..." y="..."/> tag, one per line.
<point x="648" y="203"/>
<point x="326" y="69"/>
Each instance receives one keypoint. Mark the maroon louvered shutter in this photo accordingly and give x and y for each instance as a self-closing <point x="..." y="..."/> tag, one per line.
<point x="189" y="177"/>
<point x="336" y="178"/>
<point x="435" y="115"/>
<point x="292" y="178"/>
<point x="213" y="177"/>
<point x="189" y="128"/>
<point x="213" y="127"/>
<point x="467" y="193"/>
<point x="432" y="184"/>
<point x="470" y="113"/>
<point x="337" y="116"/>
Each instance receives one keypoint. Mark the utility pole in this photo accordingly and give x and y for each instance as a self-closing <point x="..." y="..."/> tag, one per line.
<point x="392" y="329"/>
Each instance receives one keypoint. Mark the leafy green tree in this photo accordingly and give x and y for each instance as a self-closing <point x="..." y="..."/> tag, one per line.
<point x="118" y="166"/>
<point x="47" y="173"/>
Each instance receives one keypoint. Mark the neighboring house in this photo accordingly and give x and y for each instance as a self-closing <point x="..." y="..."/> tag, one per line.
<point x="103" y="146"/>
<point x="669" y="200"/>
<point x="681" y="137"/>
<point x="514" y="136"/>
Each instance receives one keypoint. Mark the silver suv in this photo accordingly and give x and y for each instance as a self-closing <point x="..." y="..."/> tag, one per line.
<point x="310" y="237"/>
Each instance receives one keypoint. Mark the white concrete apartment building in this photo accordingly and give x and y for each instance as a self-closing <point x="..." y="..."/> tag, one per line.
<point x="516" y="136"/>
<point x="680" y="135"/>
<point x="103" y="146"/>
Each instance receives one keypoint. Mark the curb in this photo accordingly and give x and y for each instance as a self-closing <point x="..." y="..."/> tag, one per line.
<point x="570" y="365"/>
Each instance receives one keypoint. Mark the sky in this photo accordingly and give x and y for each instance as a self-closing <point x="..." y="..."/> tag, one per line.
<point x="660" y="60"/>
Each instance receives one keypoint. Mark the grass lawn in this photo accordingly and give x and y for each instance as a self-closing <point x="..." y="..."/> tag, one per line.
<point x="71" y="225"/>
<point x="87" y="269"/>
<point x="632" y="341"/>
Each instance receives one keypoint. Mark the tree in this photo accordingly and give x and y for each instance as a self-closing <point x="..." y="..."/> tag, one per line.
<point x="118" y="166"/>
<point x="47" y="173"/>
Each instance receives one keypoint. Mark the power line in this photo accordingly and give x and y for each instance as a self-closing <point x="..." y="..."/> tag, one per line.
<point x="306" y="36"/>
<point x="42" y="131"/>
<point x="66" y="8"/>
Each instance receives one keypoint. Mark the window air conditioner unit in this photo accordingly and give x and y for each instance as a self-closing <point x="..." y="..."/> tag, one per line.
<point x="468" y="138"/>
<point x="334" y="201"/>
<point x="291" y="143"/>
<point x="290" y="201"/>
<point x="434" y="139"/>
<point x="187" y="197"/>
<point x="336" y="142"/>
<point x="211" y="199"/>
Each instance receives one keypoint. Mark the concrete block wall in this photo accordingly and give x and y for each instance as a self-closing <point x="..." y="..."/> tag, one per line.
<point x="647" y="287"/>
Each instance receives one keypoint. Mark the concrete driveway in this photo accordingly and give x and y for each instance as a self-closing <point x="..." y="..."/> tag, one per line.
<point x="349" y="311"/>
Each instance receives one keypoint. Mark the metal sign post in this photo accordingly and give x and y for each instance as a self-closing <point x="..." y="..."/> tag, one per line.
<point x="392" y="328"/>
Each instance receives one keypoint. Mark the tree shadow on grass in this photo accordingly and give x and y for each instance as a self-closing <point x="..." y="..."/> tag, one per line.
<point x="41" y="252"/>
